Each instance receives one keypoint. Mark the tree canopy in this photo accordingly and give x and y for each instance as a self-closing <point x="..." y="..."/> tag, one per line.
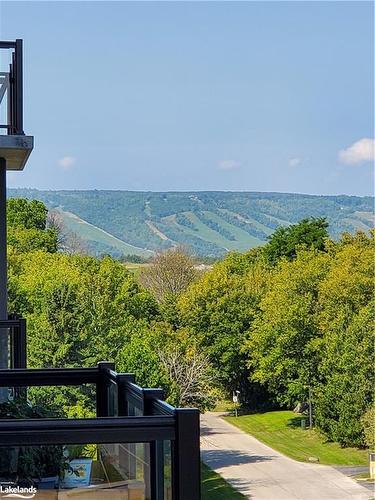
<point x="286" y="240"/>
<point x="27" y="226"/>
<point x="277" y="323"/>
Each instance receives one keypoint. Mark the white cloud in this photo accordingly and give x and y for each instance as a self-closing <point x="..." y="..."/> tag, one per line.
<point x="294" y="162"/>
<point x="360" y="152"/>
<point x="67" y="162"/>
<point x="229" y="164"/>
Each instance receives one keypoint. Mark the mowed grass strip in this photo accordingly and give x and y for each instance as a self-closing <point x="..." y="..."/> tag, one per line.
<point x="282" y="431"/>
<point x="214" y="487"/>
<point x="89" y="232"/>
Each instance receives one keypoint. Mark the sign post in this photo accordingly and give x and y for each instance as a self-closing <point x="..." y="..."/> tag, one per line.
<point x="236" y="402"/>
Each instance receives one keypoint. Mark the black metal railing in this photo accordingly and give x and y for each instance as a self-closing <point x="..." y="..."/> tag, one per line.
<point x="125" y="413"/>
<point x="11" y="86"/>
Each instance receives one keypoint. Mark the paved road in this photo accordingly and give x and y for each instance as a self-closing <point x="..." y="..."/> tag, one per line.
<point x="261" y="473"/>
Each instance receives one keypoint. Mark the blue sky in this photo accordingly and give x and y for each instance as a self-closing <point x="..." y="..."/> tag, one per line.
<point x="258" y="96"/>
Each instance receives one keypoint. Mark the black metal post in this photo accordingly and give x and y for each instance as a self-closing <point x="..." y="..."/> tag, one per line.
<point x="3" y="244"/>
<point x="4" y="348"/>
<point x="17" y="348"/>
<point x="19" y="354"/>
<point x="102" y="400"/>
<point x="3" y="248"/>
<point x="186" y="456"/>
<point x="19" y="88"/>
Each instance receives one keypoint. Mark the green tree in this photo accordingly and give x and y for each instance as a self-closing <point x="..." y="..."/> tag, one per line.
<point x="368" y="422"/>
<point x="285" y="241"/>
<point x="76" y="307"/>
<point x="219" y="309"/>
<point x="347" y="318"/>
<point x="163" y="357"/>
<point x="26" y="214"/>
<point x="45" y="291"/>
<point x="111" y="300"/>
<point x="79" y="311"/>
<point x="315" y="329"/>
<point x="26" y="226"/>
<point x="281" y="345"/>
<point x="138" y="355"/>
<point x="29" y="240"/>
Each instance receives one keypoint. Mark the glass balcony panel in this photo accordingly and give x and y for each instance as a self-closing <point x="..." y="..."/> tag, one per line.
<point x="112" y="399"/>
<point x="167" y="470"/>
<point x="134" y="411"/>
<point x="52" y="402"/>
<point x="116" y="471"/>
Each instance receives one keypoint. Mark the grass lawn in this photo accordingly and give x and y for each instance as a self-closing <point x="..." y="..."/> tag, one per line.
<point x="135" y="268"/>
<point x="224" y="406"/>
<point x="282" y="431"/>
<point x="215" y="488"/>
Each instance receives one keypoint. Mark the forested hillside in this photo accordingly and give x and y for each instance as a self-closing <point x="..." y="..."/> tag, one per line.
<point x="209" y="223"/>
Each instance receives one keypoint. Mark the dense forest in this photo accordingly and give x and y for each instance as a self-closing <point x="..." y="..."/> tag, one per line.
<point x="279" y="322"/>
<point x="208" y="223"/>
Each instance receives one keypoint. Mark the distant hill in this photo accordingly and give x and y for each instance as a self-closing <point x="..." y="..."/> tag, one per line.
<point x="209" y="222"/>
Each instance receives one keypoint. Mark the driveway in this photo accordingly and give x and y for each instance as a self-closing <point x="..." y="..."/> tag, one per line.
<point x="261" y="473"/>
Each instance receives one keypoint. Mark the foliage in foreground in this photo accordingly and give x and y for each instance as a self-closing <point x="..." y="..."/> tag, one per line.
<point x="276" y="323"/>
<point x="315" y="331"/>
<point x="368" y="421"/>
<point x="304" y="325"/>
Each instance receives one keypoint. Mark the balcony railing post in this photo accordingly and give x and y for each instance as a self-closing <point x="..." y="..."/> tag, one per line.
<point x="23" y="344"/>
<point x="19" y="347"/>
<point x="186" y="456"/>
<point x="149" y="395"/>
<point x="4" y="351"/>
<point x="19" y="89"/>
<point x="102" y="399"/>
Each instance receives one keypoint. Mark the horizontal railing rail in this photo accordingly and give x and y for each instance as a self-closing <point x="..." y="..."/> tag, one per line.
<point x="31" y="377"/>
<point x="10" y="323"/>
<point x="83" y="431"/>
<point x="160" y="407"/>
<point x="7" y="45"/>
<point x="128" y="390"/>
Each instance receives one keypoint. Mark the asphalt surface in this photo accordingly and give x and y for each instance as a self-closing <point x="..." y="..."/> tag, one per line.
<point x="261" y="473"/>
